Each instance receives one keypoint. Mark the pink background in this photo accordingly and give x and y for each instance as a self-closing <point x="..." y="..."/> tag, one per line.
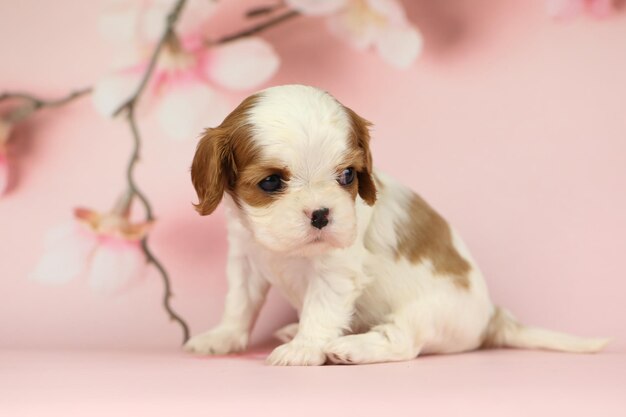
<point x="511" y="125"/>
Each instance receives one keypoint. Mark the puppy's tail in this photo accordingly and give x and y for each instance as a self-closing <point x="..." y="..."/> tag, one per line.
<point x="505" y="331"/>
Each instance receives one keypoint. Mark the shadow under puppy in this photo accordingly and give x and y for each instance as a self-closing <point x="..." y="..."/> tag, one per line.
<point x="373" y="271"/>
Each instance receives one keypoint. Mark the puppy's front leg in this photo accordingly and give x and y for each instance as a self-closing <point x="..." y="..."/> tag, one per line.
<point x="326" y="313"/>
<point x="246" y="293"/>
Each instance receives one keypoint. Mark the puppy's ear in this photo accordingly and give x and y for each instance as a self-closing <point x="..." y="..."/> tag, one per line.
<point x="214" y="167"/>
<point x="210" y="170"/>
<point x="361" y="138"/>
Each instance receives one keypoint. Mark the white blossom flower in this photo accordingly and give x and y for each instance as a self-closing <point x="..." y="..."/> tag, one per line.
<point x="181" y="89"/>
<point x="365" y="24"/>
<point x="104" y="246"/>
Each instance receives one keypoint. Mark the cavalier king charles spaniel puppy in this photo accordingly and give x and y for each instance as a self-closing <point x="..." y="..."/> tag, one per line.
<point x="374" y="272"/>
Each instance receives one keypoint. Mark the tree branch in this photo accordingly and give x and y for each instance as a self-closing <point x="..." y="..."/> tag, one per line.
<point x="264" y="10"/>
<point x="39" y="103"/>
<point x="255" y="29"/>
<point x="167" y="293"/>
<point x="129" y="106"/>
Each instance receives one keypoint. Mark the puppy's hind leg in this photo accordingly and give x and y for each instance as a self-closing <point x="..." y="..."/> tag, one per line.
<point x="383" y="343"/>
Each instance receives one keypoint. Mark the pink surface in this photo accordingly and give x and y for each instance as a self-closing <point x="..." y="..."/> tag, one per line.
<point x="141" y="383"/>
<point x="511" y="124"/>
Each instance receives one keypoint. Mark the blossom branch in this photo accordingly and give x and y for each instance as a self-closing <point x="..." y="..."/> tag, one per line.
<point x="256" y="29"/>
<point x="129" y="106"/>
<point x="167" y="294"/>
<point x="264" y="10"/>
<point x="134" y="158"/>
<point x="36" y="103"/>
<point x="39" y="103"/>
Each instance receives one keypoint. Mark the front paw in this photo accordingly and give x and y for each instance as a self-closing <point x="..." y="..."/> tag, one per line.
<point x="297" y="354"/>
<point x="218" y="341"/>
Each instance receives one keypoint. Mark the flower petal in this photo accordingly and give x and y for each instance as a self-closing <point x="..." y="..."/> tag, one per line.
<point x="153" y="20"/>
<point x="391" y="10"/>
<point x="351" y="26"/>
<point x="118" y="21"/>
<point x="184" y="109"/>
<point x="136" y="231"/>
<point x="115" y="264"/>
<point x="112" y="90"/>
<point x="242" y="64"/>
<point x="67" y="249"/>
<point x="90" y="218"/>
<point x="399" y="47"/>
<point x="317" y="7"/>
<point x="192" y="20"/>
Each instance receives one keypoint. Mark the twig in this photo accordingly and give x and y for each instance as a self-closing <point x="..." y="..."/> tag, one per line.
<point x="38" y="103"/>
<point x="134" y="158"/>
<point x="264" y="10"/>
<point x="129" y="106"/>
<point x="255" y="29"/>
<point x="167" y="293"/>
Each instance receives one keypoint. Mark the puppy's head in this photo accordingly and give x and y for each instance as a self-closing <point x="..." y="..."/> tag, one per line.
<point x="296" y="163"/>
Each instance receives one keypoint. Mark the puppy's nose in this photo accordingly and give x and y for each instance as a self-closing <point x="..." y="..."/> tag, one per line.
<point x="319" y="217"/>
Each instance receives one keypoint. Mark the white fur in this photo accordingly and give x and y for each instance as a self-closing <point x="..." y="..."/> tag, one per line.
<point x="355" y="305"/>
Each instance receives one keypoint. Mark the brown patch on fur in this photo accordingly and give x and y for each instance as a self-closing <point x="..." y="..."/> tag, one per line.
<point x="360" y="140"/>
<point x="426" y="235"/>
<point x="221" y="153"/>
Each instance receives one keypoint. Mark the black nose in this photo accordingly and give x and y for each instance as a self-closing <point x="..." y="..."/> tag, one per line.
<point x="319" y="218"/>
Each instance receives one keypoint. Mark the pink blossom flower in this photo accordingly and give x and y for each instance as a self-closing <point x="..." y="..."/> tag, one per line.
<point x="133" y="27"/>
<point x="570" y="8"/>
<point x="107" y="247"/>
<point x="5" y="131"/>
<point x="181" y="88"/>
<point x="378" y="24"/>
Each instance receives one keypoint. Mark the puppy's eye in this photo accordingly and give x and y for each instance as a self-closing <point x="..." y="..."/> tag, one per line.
<point x="271" y="184"/>
<point x="346" y="177"/>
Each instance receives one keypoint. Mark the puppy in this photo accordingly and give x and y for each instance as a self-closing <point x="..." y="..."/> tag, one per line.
<point x="373" y="271"/>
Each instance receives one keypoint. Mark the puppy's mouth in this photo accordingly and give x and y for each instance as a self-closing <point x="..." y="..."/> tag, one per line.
<point x="321" y="237"/>
<point x="317" y="238"/>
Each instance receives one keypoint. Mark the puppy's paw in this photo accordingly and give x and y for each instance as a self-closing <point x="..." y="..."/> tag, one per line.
<point x="218" y="341"/>
<point x="297" y="354"/>
<point x="287" y="333"/>
<point x="348" y="350"/>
